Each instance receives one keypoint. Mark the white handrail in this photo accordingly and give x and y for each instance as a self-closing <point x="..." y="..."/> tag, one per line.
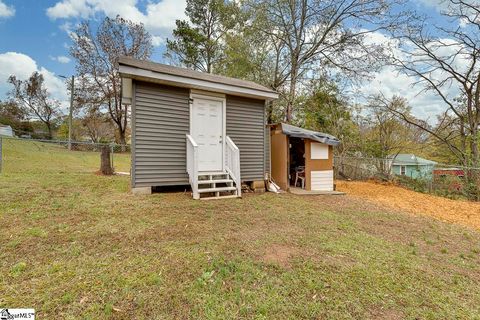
<point x="232" y="163"/>
<point x="192" y="165"/>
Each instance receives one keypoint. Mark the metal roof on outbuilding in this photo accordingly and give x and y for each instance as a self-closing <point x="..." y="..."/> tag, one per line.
<point x="298" y="132"/>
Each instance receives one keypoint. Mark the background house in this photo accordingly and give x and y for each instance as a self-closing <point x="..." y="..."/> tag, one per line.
<point x="6" y="131"/>
<point x="412" y="166"/>
<point x="445" y="172"/>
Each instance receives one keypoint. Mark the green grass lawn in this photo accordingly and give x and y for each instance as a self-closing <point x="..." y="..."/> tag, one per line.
<point x="76" y="245"/>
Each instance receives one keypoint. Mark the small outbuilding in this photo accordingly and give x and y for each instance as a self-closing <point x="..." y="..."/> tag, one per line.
<point x="194" y="128"/>
<point x="6" y="131"/>
<point x="301" y="158"/>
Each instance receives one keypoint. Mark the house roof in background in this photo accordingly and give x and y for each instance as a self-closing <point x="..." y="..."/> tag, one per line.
<point x="411" y="159"/>
<point x="6" y="130"/>
<point x="162" y="73"/>
<point x="298" y="132"/>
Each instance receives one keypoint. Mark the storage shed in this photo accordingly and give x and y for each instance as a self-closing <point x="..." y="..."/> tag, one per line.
<point x="194" y="128"/>
<point x="301" y="158"/>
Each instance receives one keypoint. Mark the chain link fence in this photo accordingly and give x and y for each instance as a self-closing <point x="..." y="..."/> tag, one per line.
<point x="360" y="168"/>
<point x="19" y="155"/>
<point x="452" y="181"/>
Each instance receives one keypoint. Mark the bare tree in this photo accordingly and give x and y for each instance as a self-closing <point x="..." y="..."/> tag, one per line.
<point x="307" y="35"/>
<point x="391" y="136"/>
<point x="97" y="55"/>
<point x="32" y="95"/>
<point x="445" y="59"/>
<point x="98" y="126"/>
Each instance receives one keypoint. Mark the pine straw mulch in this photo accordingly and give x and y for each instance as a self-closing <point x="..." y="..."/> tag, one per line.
<point x="463" y="212"/>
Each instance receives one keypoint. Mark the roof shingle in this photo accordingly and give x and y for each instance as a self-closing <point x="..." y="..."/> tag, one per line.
<point x="192" y="74"/>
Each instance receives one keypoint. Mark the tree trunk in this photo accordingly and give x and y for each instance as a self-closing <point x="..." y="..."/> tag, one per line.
<point x="49" y="130"/>
<point x="474" y="147"/>
<point x="270" y="112"/>
<point x="105" y="164"/>
<point x="291" y="95"/>
<point x="122" y="140"/>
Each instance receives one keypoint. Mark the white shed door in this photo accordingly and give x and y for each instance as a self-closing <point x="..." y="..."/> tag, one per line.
<point x="322" y="180"/>
<point x="207" y="131"/>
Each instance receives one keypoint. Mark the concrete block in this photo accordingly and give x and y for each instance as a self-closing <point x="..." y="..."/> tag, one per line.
<point x="142" y="190"/>
<point x="258" y="186"/>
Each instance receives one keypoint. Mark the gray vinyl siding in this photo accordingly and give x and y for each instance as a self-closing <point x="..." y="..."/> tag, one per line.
<point x="246" y="127"/>
<point x="160" y="122"/>
<point x="267" y="149"/>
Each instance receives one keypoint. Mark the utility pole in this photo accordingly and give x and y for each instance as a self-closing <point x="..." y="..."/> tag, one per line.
<point x="70" y="114"/>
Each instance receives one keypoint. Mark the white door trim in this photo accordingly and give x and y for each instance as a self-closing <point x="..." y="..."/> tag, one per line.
<point x="215" y="97"/>
<point x="200" y="93"/>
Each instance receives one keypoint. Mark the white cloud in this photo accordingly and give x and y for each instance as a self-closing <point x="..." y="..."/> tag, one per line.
<point x="158" y="18"/>
<point x="70" y="9"/>
<point x="389" y="81"/>
<point x="61" y="59"/>
<point x="67" y="27"/>
<point x="163" y="14"/>
<point x="6" y="11"/>
<point x="447" y="5"/>
<point x="157" y="40"/>
<point x="22" y="66"/>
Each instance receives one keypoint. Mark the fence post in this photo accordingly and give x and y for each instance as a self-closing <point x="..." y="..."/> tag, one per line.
<point x="1" y="156"/>
<point x="111" y="152"/>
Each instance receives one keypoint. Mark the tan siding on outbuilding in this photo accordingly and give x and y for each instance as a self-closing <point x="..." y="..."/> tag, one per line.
<point x="160" y="124"/>
<point x="246" y="127"/>
<point x="316" y="165"/>
<point x="279" y="158"/>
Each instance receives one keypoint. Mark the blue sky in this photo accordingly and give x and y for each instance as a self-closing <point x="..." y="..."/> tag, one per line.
<point x="31" y="32"/>
<point x="34" y="36"/>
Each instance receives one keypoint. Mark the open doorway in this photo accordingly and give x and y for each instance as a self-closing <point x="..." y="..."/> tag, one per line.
<point x="296" y="168"/>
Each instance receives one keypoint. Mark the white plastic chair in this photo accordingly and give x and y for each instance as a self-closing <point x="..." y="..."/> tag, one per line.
<point x="300" y="174"/>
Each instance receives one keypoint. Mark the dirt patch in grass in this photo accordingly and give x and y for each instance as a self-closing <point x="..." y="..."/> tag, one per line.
<point x="463" y="212"/>
<point x="280" y="254"/>
<point x="386" y="314"/>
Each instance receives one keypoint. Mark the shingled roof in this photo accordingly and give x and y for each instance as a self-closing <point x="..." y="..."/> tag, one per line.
<point x="191" y="74"/>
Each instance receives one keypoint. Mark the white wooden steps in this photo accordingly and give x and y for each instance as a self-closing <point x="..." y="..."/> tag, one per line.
<point x="216" y="186"/>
